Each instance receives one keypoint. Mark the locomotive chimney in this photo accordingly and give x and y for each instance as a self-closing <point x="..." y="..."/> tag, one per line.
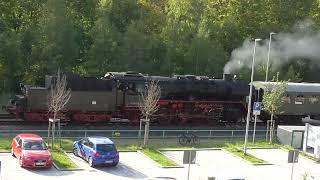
<point x="227" y="77"/>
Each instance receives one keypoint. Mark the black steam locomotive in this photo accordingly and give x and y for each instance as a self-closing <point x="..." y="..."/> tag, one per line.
<point x="115" y="97"/>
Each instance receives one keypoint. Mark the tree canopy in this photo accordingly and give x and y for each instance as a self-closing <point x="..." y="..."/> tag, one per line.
<point x="162" y="37"/>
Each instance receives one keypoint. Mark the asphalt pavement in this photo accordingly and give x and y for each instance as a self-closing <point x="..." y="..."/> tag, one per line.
<point x="209" y="163"/>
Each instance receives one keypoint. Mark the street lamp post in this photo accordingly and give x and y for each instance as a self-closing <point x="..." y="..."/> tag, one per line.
<point x="250" y="97"/>
<point x="270" y="39"/>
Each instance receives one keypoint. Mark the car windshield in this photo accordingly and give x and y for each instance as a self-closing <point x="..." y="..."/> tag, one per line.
<point x="106" y="147"/>
<point x="34" y="145"/>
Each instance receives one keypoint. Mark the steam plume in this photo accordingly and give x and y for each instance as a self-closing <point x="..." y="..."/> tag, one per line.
<point x="302" y="43"/>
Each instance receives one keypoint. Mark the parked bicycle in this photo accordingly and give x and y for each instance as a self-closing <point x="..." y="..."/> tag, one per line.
<point x="188" y="139"/>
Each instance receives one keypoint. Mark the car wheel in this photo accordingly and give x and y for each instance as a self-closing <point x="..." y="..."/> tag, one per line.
<point x="75" y="151"/>
<point x="20" y="162"/>
<point x="114" y="164"/>
<point x="90" y="161"/>
<point x="12" y="153"/>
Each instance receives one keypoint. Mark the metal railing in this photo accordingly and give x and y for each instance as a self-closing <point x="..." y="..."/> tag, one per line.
<point x="134" y="134"/>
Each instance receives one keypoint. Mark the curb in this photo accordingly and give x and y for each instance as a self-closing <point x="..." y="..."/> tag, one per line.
<point x="197" y="149"/>
<point x="157" y="164"/>
<point x="63" y="169"/>
<point x="254" y="164"/>
<point x="127" y="150"/>
<point x="262" y="148"/>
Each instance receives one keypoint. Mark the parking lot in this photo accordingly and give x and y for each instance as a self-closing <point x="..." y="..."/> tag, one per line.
<point x="134" y="165"/>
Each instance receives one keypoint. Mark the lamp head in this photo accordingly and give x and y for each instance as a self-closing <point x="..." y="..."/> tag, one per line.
<point x="257" y="40"/>
<point x="272" y="33"/>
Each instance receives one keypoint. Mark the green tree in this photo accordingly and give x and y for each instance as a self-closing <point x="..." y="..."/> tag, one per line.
<point x="272" y="99"/>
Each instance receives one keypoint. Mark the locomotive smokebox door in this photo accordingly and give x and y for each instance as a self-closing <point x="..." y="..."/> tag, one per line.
<point x="228" y="77"/>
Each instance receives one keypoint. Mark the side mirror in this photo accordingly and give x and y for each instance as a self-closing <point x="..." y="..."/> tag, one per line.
<point x="49" y="147"/>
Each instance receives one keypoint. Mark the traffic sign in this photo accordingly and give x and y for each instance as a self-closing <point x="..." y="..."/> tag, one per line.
<point x="293" y="156"/>
<point x="189" y="157"/>
<point x="256" y="108"/>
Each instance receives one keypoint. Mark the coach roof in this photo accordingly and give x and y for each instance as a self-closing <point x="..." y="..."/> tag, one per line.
<point x="292" y="87"/>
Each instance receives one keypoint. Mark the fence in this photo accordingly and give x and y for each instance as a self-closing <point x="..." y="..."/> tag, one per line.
<point x="157" y="137"/>
<point x="134" y="134"/>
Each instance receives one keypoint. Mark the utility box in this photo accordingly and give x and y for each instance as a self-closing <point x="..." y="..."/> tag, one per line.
<point x="291" y="135"/>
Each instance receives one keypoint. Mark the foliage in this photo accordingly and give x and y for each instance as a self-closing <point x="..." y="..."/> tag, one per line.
<point x="158" y="157"/>
<point x="62" y="160"/>
<point x="5" y="144"/>
<point x="239" y="152"/>
<point x="149" y="99"/>
<point x="272" y="97"/>
<point x="162" y="37"/>
<point x="59" y="95"/>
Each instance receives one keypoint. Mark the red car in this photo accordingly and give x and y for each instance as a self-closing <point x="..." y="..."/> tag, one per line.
<point x="31" y="151"/>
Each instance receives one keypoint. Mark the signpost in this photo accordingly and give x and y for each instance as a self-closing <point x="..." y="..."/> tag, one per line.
<point x="293" y="156"/>
<point x="189" y="157"/>
<point x="256" y="108"/>
<point x="256" y="112"/>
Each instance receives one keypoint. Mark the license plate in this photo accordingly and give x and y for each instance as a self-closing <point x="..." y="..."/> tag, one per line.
<point x="40" y="163"/>
<point x="108" y="161"/>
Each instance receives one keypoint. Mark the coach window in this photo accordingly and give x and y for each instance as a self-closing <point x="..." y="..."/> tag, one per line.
<point x="140" y="88"/>
<point x="314" y="100"/>
<point x="286" y="99"/>
<point x="299" y="99"/>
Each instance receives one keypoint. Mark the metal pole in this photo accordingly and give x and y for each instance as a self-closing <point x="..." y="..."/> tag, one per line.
<point x="53" y="131"/>
<point x="255" y="120"/>
<point x="49" y="128"/>
<point x="59" y="126"/>
<point x="250" y="98"/>
<point x="270" y="39"/>
<point x="189" y="164"/>
<point x="254" y="128"/>
<point x="140" y="129"/>
<point x="267" y="132"/>
<point x="292" y="164"/>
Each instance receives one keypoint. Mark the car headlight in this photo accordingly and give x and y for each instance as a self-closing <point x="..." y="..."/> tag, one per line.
<point x="27" y="158"/>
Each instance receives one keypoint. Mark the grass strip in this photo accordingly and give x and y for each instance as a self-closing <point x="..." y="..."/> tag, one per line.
<point x="67" y="145"/>
<point x="316" y="160"/>
<point x="248" y="157"/>
<point x="5" y="144"/>
<point x="158" y="157"/>
<point x="62" y="160"/>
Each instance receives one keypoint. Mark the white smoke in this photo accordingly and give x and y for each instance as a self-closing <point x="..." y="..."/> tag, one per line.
<point x="302" y="43"/>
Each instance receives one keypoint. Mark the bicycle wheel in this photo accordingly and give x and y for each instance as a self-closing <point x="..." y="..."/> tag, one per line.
<point x="183" y="140"/>
<point x="195" y="140"/>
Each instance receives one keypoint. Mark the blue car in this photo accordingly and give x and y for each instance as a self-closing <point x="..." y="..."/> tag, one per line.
<point x="96" y="151"/>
